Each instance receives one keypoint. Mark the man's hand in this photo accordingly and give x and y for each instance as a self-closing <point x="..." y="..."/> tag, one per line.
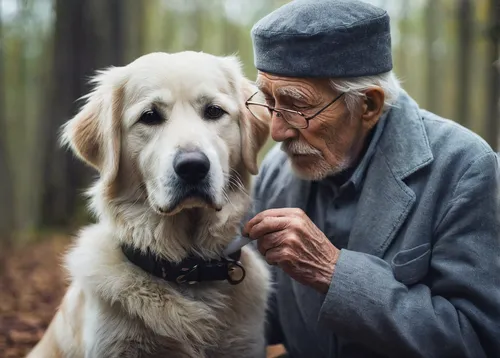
<point x="288" y="238"/>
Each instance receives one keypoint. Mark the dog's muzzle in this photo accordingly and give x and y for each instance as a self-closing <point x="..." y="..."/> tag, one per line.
<point x="191" y="182"/>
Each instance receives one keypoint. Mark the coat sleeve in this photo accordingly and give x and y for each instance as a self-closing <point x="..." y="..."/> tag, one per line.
<point x="453" y="313"/>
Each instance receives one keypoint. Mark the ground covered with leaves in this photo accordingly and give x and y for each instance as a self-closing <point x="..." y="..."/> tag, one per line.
<point x="32" y="284"/>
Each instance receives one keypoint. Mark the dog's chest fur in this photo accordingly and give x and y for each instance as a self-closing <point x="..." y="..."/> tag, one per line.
<point x="129" y="313"/>
<point x="135" y="340"/>
<point x="132" y="340"/>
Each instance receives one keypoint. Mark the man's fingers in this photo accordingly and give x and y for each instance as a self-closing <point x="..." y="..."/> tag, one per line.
<point x="272" y="256"/>
<point x="268" y="225"/>
<point x="278" y="212"/>
<point x="269" y="242"/>
<point x="281" y="255"/>
<point x="261" y="216"/>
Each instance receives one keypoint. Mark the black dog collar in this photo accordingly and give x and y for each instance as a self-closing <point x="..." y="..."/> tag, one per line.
<point x="191" y="270"/>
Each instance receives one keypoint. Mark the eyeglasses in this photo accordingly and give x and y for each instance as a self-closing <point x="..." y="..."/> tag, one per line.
<point x="295" y="119"/>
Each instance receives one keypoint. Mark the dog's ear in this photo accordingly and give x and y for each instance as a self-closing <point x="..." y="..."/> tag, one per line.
<point x="254" y="129"/>
<point x="93" y="134"/>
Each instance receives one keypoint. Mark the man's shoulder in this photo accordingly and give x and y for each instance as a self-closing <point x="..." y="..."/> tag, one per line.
<point x="451" y="143"/>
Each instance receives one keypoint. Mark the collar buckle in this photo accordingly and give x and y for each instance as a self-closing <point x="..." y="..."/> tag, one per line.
<point x="185" y="277"/>
<point x="232" y="267"/>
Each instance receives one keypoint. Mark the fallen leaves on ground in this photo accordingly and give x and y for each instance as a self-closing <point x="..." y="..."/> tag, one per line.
<point x="31" y="287"/>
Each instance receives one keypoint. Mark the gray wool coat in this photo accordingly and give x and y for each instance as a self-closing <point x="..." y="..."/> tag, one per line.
<point x="420" y="273"/>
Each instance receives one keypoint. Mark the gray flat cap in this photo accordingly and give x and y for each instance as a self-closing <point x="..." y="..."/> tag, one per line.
<point x="323" y="38"/>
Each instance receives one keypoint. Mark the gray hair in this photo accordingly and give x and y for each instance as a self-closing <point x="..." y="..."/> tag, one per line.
<point x="354" y="87"/>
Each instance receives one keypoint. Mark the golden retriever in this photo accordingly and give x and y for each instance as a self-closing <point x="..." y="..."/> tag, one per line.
<point x="175" y="148"/>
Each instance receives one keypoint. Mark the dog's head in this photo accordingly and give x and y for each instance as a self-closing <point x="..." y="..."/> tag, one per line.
<point x="172" y="124"/>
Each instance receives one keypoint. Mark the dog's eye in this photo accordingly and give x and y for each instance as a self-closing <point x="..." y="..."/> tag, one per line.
<point x="151" y="118"/>
<point x="213" y="112"/>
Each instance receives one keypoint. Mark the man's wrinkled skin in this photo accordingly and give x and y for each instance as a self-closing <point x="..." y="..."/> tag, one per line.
<point x="289" y="239"/>
<point x="332" y="143"/>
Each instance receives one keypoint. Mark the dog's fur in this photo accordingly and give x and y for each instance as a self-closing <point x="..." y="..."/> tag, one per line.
<point x="112" y="308"/>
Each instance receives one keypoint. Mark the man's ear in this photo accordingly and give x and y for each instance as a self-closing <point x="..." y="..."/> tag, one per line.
<point x="254" y="129"/>
<point x="373" y="106"/>
<point x="93" y="134"/>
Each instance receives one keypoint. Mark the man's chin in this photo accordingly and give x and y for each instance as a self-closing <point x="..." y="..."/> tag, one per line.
<point x="312" y="168"/>
<point x="308" y="174"/>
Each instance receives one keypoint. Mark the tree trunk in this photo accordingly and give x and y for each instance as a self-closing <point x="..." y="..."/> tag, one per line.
<point x="465" y="24"/>
<point x="492" y="58"/>
<point x="433" y="90"/>
<point x="230" y="37"/>
<point x="62" y="173"/>
<point x="134" y="12"/>
<point x="88" y="37"/>
<point x="6" y="189"/>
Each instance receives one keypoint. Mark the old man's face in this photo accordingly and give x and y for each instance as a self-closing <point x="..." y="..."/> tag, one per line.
<point x="333" y="140"/>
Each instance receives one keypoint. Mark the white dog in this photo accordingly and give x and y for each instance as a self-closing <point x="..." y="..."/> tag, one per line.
<point x="175" y="146"/>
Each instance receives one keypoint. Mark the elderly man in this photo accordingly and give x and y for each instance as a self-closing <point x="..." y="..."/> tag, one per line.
<point x="381" y="220"/>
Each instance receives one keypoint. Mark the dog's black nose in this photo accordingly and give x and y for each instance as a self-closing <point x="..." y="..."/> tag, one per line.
<point x="192" y="167"/>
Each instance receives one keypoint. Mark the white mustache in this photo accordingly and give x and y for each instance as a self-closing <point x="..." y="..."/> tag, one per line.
<point x="299" y="148"/>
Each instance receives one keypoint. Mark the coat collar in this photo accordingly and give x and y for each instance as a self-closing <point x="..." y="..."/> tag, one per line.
<point x="385" y="199"/>
<point x="405" y="144"/>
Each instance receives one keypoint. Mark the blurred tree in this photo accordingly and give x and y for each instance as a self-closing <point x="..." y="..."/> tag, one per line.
<point x="400" y="62"/>
<point x="87" y="37"/>
<point x="62" y="174"/>
<point x="197" y="19"/>
<point x="432" y="31"/>
<point x="152" y="30"/>
<point x="23" y="89"/>
<point x="465" y="51"/>
<point x="133" y="14"/>
<point x="6" y="200"/>
<point x="492" y="73"/>
<point x="231" y="37"/>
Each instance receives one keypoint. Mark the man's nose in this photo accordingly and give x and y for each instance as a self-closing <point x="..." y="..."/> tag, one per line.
<point x="280" y="129"/>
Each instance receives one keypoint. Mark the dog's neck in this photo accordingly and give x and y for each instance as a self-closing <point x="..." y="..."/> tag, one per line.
<point x="201" y="232"/>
